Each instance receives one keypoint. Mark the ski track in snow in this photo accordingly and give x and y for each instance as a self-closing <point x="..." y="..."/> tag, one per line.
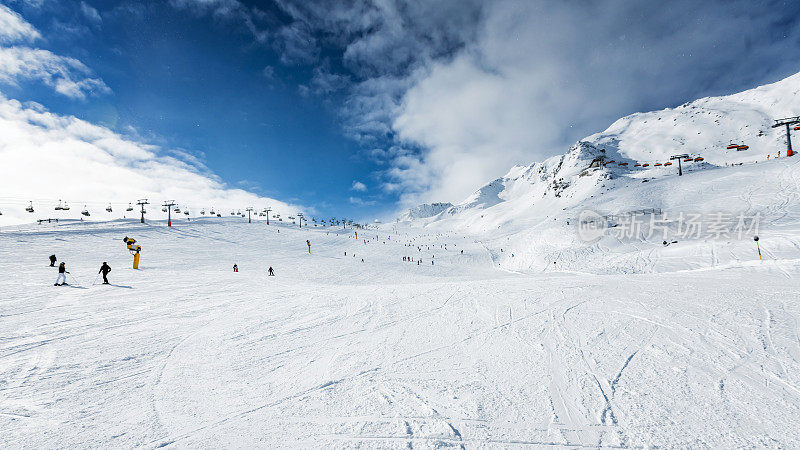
<point x="333" y="352"/>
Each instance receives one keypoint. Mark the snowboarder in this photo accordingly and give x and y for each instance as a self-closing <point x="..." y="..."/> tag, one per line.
<point x="62" y="278"/>
<point x="271" y="272"/>
<point x="52" y="260"/>
<point x="104" y="269"/>
<point x="235" y="268"/>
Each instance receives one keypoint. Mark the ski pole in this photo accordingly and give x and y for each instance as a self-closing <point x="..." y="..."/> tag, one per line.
<point x="76" y="280"/>
<point x="95" y="279"/>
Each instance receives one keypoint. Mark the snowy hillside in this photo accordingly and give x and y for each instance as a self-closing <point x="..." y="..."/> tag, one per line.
<point x="533" y="211"/>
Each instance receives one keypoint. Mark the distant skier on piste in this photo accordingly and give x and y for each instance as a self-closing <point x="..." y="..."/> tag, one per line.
<point x="308" y="243"/>
<point x="235" y="268"/>
<point x="52" y="260"/>
<point x="271" y="272"/>
<point x="62" y="277"/>
<point x="104" y="269"/>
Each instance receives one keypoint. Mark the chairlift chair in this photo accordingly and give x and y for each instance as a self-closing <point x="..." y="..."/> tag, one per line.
<point x="65" y="207"/>
<point x="58" y="206"/>
<point x="186" y="212"/>
<point x="743" y="147"/>
<point x="732" y="146"/>
<point x="85" y="211"/>
<point x="129" y="208"/>
<point x="164" y="209"/>
<point x="29" y="208"/>
<point x="177" y="210"/>
<point x="203" y="212"/>
<point x="108" y="208"/>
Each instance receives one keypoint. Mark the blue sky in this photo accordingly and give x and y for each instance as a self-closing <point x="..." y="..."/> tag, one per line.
<point x="360" y="108"/>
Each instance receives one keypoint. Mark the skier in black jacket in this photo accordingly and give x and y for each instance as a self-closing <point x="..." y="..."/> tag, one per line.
<point x="62" y="270"/>
<point x="104" y="269"/>
<point x="52" y="260"/>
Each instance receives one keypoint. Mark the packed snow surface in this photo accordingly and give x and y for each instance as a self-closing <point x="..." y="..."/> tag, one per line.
<point x="336" y="352"/>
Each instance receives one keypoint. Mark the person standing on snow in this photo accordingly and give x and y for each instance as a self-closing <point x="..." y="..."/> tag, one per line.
<point x="62" y="278"/>
<point x="235" y="268"/>
<point x="104" y="269"/>
<point x="271" y="273"/>
<point x="52" y="260"/>
<point x="308" y="243"/>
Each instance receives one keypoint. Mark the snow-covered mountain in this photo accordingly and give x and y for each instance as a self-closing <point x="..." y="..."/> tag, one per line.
<point x="425" y="210"/>
<point x="533" y="209"/>
<point x="639" y="147"/>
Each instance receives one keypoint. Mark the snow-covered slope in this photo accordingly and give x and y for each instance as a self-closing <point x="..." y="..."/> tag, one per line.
<point x="533" y="210"/>
<point x="351" y="346"/>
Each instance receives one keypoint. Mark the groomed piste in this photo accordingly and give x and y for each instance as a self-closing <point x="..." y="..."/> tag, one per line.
<point x="458" y="345"/>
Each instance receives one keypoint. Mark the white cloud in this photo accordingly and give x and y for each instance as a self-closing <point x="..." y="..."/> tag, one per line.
<point x="47" y="157"/>
<point x="359" y="186"/>
<point x="13" y="28"/>
<point x="67" y="76"/>
<point x="540" y="75"/>
<point x="361" y="202"/>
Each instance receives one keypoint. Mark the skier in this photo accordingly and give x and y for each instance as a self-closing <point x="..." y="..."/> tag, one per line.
<point x="271" y="272"/>
<point x="52" y="260"/>
<point x="104" y="269"/>
<point x="308" y="243"/>
<point x="235" y="268"/>
<point x="62" y="278"/>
